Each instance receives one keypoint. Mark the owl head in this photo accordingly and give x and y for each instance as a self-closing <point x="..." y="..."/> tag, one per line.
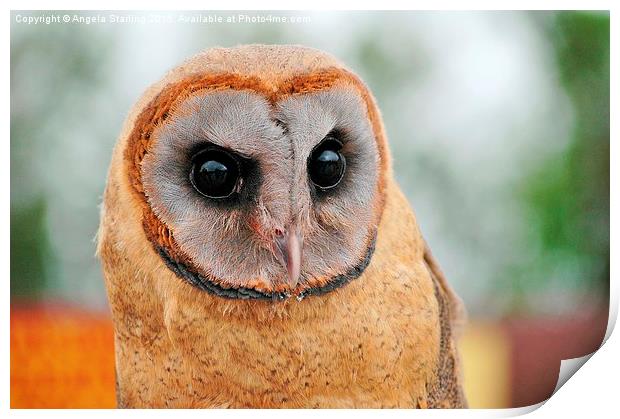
<point x="257" y="172"/>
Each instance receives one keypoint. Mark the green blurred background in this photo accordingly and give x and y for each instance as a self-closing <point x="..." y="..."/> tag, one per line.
<point x="498" y="123"/>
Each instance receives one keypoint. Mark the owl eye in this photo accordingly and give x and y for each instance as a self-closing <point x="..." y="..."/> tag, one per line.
<point x="215" y="173"/>
<point x="326" y="164"/>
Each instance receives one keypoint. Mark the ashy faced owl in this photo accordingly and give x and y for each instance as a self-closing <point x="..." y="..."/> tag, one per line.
<point x="257" y="251"/>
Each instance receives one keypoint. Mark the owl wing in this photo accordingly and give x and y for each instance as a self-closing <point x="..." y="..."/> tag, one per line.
<point x="446" y="389"/>
<point x="458" y="314"/>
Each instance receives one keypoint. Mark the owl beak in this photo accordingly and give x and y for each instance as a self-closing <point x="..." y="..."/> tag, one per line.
<point x="288" y="246"/>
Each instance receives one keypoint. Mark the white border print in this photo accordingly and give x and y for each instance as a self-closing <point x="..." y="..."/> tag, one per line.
<point x="592" y="392"/>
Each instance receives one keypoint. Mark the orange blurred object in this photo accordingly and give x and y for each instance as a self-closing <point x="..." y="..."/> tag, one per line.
<point x="61" y="357"/>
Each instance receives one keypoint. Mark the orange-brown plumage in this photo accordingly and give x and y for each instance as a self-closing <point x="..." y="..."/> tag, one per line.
<point x="385" y="339"/>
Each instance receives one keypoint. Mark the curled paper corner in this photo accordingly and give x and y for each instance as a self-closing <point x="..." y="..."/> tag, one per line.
<point x="568" y="367"/>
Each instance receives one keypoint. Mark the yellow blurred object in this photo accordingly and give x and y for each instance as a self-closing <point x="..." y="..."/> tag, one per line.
<point x="485" y="353"/>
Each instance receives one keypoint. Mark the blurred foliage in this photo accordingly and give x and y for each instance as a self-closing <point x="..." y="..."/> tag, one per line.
<point x="568" y="196"/>
<point x="43" y="110"/>
<point x="31" y="257"/>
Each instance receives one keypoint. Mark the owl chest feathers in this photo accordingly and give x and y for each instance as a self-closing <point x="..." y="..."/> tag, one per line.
<point x="352" y="349"/>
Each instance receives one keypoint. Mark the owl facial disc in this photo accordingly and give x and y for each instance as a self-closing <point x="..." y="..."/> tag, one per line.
<point x="252" y="190"/>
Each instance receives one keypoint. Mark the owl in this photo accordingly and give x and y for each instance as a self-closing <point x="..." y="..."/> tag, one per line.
<point x="257" y="251"/>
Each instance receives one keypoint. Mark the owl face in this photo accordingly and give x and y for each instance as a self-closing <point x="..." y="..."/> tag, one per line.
<point x="259" y="193"/>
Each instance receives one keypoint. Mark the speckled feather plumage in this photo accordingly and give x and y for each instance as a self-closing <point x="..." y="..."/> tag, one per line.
<point x="385" y="339"/>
